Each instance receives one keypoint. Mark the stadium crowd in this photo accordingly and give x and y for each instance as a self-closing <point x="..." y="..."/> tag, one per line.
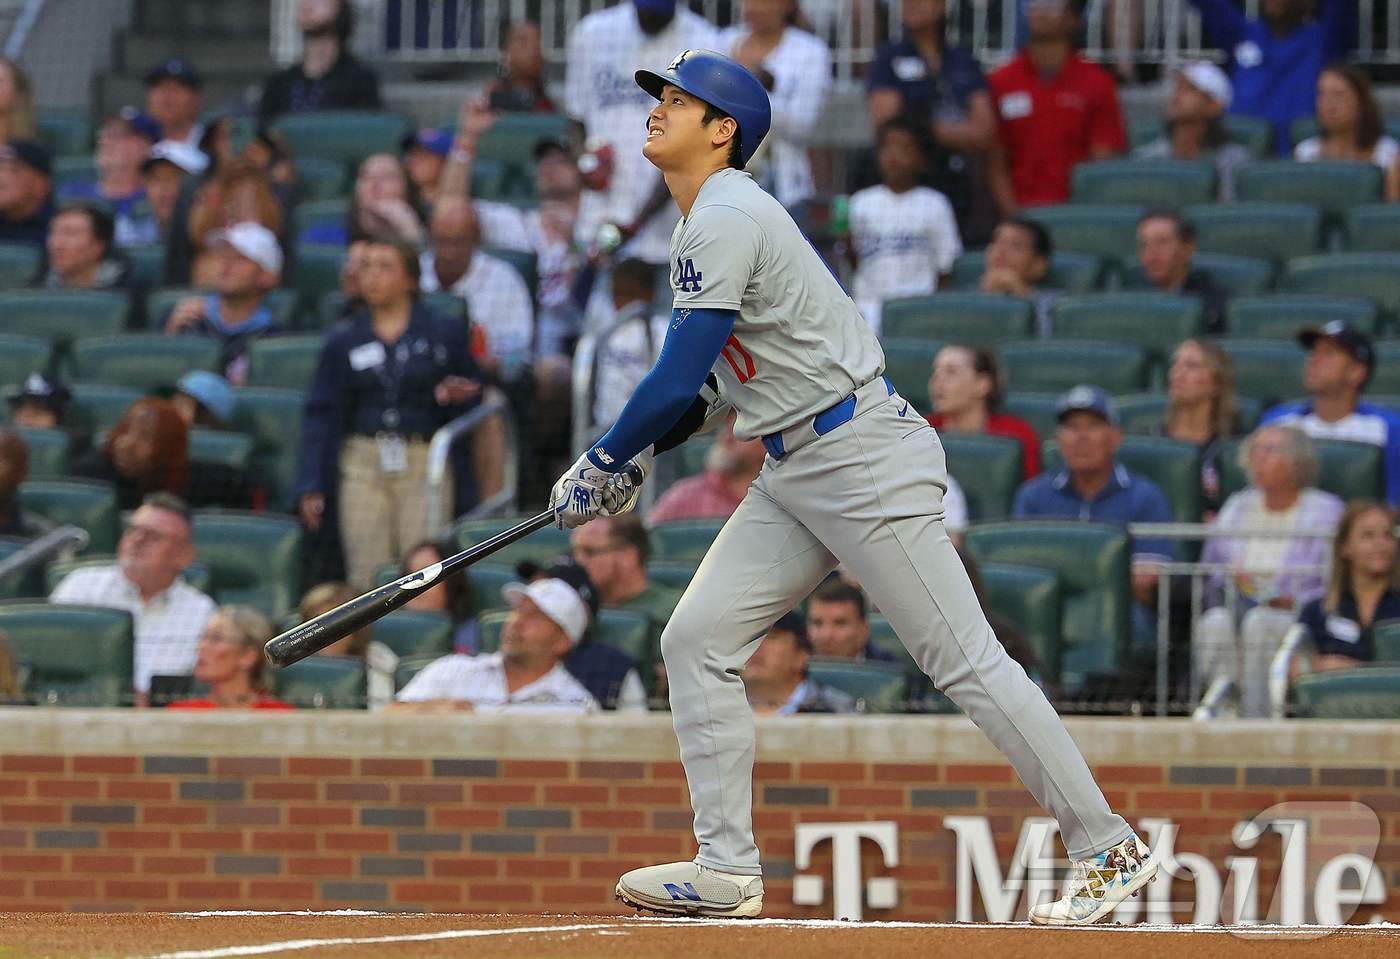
<point x="1109" y="323"/>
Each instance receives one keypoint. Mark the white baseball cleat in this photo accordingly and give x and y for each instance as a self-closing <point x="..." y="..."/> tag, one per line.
<point x="689" y="889"/>
<point x="1098" y="884"/>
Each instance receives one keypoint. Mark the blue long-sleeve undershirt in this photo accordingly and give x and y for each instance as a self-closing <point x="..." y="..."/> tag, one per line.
<point x="692" y="345"/>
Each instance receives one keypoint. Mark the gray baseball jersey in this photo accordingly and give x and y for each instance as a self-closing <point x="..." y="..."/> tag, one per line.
<point x="799" y="344"/>
<point x="867" y="494"/>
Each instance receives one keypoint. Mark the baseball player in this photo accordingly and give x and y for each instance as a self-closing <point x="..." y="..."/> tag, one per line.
<point x="853" y="476"/>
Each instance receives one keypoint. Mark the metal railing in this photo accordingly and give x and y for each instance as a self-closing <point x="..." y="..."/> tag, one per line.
<point x="28" y="15"/>
<point x="1140" y="31"/>
<point x="1199" y="572"/>
<point x="60" y="543"/>
<point x="439" y="491"/>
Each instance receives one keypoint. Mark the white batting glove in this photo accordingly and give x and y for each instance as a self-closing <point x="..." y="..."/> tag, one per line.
<point x="625" y="487"/>
<point x="578" y="496"/>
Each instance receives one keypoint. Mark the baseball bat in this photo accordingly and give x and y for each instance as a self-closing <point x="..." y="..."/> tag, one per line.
<point x="316" y="634"/>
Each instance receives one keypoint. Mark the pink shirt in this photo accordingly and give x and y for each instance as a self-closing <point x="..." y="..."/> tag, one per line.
<point x="706" y="496"/>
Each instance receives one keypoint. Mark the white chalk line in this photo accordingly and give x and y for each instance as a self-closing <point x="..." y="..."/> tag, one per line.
<point x="614" y="929"/>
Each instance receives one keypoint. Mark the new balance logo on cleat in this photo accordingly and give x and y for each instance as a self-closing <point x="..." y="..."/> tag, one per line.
<point x="678" y="893"/>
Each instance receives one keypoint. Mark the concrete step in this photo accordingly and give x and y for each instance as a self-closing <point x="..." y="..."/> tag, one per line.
<point x="137" y="52"/>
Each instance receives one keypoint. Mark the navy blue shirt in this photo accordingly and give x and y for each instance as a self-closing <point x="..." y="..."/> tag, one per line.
<point x="1276" y="77"/>
<point x="1340" y="633"/>
<point x="901" y="67"/>
<point x="1126" y="498"/>
<point x="365" y="386"/>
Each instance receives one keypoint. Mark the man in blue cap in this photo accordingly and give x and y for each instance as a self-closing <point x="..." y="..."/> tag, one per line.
<point x="124" y="143"/>
<point x="174" y="97"/>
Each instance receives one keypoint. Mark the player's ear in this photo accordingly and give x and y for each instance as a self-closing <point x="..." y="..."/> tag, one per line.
<point x="726" y="129"/>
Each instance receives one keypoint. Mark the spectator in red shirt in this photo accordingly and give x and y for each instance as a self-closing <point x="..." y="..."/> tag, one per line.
<point x="731" y="466"/>
<point x="966" y="389"/>
<point x="230" y="662"/>
<point x="1055" y="110"/>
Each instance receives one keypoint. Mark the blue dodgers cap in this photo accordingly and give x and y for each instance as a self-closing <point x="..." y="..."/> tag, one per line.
<point x="433" y="139"/>
<point x="211" y="391"/>
<point x="723" y="84"/>
<point x="176" y="68"/>
<point x="1353" y="341"/>
<point x="141" y="123"/>
<point x="1089" y="399"/>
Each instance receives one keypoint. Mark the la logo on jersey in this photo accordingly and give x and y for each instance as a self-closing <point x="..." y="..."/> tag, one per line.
<point x="689" y="281"/>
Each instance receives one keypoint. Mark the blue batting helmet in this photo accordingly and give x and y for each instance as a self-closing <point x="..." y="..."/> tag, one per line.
<point x="723" y="84"/>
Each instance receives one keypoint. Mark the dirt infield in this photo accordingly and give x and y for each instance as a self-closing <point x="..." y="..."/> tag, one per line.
<point x="352" y="935"/>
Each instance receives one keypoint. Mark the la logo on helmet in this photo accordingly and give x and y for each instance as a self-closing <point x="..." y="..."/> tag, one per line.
<point x="676" y="63"/>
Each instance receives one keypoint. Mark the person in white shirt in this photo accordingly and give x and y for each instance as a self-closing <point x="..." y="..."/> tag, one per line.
<point x="795" y="66"/>
<point x="547" y="620"/>
<point x="498" y="301"/>
<point x="1350" y="126"/>
<point x="605" y="48"/>
<point x="904" y="236"/>
<point x="168" y="614"/>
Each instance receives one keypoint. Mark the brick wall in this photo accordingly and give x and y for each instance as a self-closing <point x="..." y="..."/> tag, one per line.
<point x="223" y="813"/>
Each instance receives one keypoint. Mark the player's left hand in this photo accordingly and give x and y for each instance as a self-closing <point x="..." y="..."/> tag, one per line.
<point x="578" y="496"/>
<point x="625" y="487"/>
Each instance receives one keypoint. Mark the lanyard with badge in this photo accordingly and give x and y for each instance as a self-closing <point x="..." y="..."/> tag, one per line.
<point x="393" y="449"/>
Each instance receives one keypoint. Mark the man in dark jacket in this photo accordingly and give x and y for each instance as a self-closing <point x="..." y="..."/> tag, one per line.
<point x="328" y="76"/>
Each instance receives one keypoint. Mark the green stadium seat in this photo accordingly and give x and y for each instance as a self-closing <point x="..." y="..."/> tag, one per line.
<point x="1092" y="561"/>
<point x="142" y="360"/>
<point x="282" y="304"/>
<point x="1387" y="636"/>
<point x="511" y="139"/>
<point x="347" y="136"/>
<point x="408" y="668"/>
<point x="1348" y="470"/>
<point x="48" y="452"/>
<point x="253" y="558"/>
<point x="63" y="315"/>
<point x="1368" y="692"/>
<point x="1373" y="228"/>
<point x="147" y="265"/>
<point x="91" y="506"/>
<point x="876" y="687"/>
<point x="542" y="546"/>
<point x="1255" y="134"/>
<point x="1386" y="377"/>
<point x="222" y="447"/>
<point x="1169" y="184"/>
<point x="318" y="213"/>
<point x="1282" y="315"/>
<point x="65" y="134"/>
<point x="97" y="407"/>
<point x="629" y="632"/>
<point x="1279" y="231"/>
<point x="687" y="540"/>
<point x="19" y="265"/>
<point x="1237" y="275"/>
<point x="491" y="623"/>
<point x="525" y="263"/>
<point x="672" y="574"/>
<point x="21" y="355"/>
<point x="72" y="655"/>
<point x="988" y="468"/>
<point x="75" y="170"/>
<point x="486" y="581"/>
<point x="1070" y="272"/>
<point x="1058" y="365"/>
<point x="273" y="419"/>
<point x="1155" y="321"/>
<point x="320" y="179"/>
<point x="323" y="682"/>
<point x="975" y="319"/>
<point x="1331" y="186"/>
<point x="1174" y="465"/>
<point x="1375" y="276"/>
<point x="284" y="362"/>
<point x="1029" y="596"/>
<point x="413" y="633"/>
<point x="1145" y="412"/>
<point x="315" y="273"/>
<point x="1037" y="409"/>
<point x="1109" y="232"/>
<point x="909" y="364"/>
<point x="196" y="574"/>
<point x="1267" y="370"/>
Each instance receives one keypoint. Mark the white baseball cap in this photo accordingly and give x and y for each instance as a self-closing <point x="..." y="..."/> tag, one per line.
<point x="1210" y="80"/>
<point x="557" y="600"/>
<point x="187" y="158"/>
<point x="254" y="241"/>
